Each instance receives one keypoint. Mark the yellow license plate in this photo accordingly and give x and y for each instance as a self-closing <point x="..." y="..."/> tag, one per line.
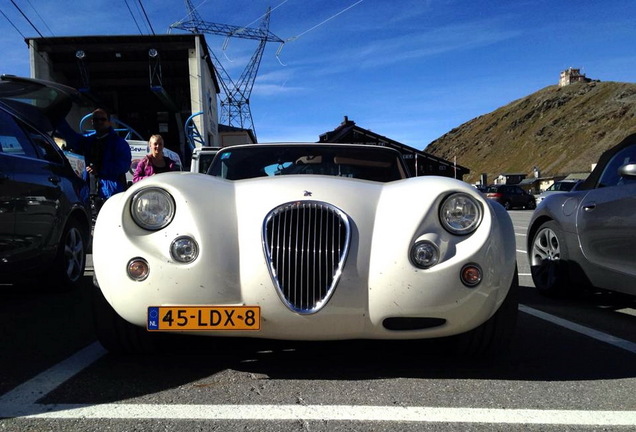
<point x="164" y="318"/>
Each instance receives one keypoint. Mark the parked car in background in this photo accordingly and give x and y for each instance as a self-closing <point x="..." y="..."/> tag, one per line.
<point x="44" y="208"/>
<point x="586" y="237"/>
<point x="202" y="158"/>
<point x="305" y="242"/>
<point x="557" y="187"/>
<point x="511" y="196"/>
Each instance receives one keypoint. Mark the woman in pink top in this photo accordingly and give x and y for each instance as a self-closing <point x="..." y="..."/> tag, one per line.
<point x="154" y="162"/>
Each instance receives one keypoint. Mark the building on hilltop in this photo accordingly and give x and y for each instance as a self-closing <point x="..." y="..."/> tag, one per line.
<point x="572" y="75"/>
<point x="418" y="162"/>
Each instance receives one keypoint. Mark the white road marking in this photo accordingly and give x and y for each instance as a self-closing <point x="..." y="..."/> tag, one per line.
<point x="29" y="392"/>
<point x="595" y="334"/>
<point x="22" y="401"/>
<point x="627" y="311"/>
<point x="337" y="413"/>
<point x="521" y="251"/>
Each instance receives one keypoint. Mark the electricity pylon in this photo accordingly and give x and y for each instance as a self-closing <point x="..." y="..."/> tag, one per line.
<point x="235" y="104"/>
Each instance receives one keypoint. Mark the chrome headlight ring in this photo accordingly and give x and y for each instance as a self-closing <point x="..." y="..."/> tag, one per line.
<point x="152" y="208"/>
<point x="460" y="213"/>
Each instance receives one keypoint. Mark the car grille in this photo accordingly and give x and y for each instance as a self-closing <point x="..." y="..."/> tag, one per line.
<point x="306" y="244"/>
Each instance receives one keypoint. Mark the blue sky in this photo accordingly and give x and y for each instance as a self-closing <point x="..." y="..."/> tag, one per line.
<point x="410" y="70"/>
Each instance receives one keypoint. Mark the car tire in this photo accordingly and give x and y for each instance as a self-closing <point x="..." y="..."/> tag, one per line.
<point x="549" y="261"/>
<point x="115" y="333"/>
<point x="493" y="337"/>
<point x="67" y="269"/>
<point x="507" y="205"/>
<point x="532" y="205"/>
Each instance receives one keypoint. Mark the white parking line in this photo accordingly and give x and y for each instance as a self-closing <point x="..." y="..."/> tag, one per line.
<point x="29" y="392"/>
<point x="594" y="334"/>
<point x="22" y="401"/>
<point x="340" y="413"/>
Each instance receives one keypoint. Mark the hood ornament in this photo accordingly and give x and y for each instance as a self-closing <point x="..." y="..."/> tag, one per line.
<point x="307" y="193"/>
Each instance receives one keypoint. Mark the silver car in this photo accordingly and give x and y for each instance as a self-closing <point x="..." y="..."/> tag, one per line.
<point x="557" y="187"/>
<point x="586" y="237"/>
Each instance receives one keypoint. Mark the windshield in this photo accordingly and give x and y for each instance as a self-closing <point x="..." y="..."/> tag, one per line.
<point x="376" y="164"/>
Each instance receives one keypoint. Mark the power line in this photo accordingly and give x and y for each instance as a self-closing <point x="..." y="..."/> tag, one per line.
<point x="26" y="18"/>
<point x="133" y="17"/>
<point x="260" y="18"/>
<point x="293" y="38"/>
<point x="12" y="25"/>
<point x="41" y="19"/>
<point x="45" y="59"/>
<point x="146" y="15"/>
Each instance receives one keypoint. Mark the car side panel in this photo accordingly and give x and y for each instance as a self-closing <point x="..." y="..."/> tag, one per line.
<point x="606" y="229"/>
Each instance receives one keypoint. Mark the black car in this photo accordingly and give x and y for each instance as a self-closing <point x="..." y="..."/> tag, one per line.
<point x="44" y="207"/>
<point x="511" y="196"/>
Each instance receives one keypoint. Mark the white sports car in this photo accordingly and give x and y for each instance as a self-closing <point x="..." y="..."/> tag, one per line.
<point x="305" y="242"/>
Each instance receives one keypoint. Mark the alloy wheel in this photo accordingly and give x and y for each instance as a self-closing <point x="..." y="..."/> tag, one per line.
<point x="74" y="255"/>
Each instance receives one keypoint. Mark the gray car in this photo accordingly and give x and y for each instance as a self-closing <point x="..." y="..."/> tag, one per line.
<point x="586" y="237"/>
<point x="558" y="187"/>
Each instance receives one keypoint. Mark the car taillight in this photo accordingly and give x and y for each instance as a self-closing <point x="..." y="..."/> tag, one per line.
<point x="494" y="195"/>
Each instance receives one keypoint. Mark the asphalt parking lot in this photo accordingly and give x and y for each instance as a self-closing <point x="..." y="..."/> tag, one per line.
<point x="571" y="367"/>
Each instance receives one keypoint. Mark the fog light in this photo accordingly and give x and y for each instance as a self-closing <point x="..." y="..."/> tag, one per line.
<point x="184" y="249"/>
<point x="471" y="275"/>
<point x="138" y="269"/>
<point x="424" y="254"/>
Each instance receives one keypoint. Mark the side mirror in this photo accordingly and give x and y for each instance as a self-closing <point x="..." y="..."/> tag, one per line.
<point x="628" y="170"/>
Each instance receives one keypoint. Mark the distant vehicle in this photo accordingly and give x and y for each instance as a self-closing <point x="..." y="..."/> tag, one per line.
<point x="557" y="187"/>
<point x="202" y="158"/>
<point x="511" y="196"/>
<point x="44" y="207"/>
<point x="586" y="237"/>
<point x="305" y="242"/>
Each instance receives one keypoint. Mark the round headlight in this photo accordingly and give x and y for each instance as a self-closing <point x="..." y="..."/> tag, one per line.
<point x="152" y="208"/>
<point x="460" y="214"/>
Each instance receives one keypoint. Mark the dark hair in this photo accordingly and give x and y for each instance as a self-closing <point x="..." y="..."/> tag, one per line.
<point x="103" y="111"/>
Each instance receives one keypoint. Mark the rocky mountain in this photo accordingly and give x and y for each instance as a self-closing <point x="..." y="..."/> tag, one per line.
<point x="558" y="130"/>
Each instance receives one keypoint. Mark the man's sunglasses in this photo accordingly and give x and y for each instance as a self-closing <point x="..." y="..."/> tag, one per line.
<point x="99" y="119"/>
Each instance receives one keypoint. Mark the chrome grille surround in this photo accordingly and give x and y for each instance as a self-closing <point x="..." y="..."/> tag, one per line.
<point x="306" y="244"/>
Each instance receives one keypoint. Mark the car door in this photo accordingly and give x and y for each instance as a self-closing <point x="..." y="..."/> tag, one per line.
<point x="7" y="215"/>
<point x="30" y="192"/>
<point x="516" y="196"/>
<point x="606" y="224"/>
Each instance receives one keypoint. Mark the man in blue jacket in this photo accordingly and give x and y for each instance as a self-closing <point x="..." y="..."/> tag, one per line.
<point x="106" y="154"/>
